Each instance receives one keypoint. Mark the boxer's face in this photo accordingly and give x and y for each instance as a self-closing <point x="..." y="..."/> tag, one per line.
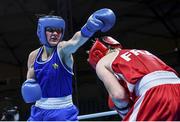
<point x="53" y="35"/>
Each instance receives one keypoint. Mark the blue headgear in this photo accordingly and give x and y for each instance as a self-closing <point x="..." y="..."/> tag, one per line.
<point x="49" y="21"/>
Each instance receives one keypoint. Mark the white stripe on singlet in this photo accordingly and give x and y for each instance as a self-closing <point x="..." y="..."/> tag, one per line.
<point x="155" y="79"/>
<point x="55" y="103"/>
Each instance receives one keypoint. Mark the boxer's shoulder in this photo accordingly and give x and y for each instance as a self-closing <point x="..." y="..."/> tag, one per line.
<point x="32" y="56"/>
<point x="34" y="53"/>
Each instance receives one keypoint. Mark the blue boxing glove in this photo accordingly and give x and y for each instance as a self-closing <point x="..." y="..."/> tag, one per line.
<point x="31" y="91"/>
<point x="103" y="20"/>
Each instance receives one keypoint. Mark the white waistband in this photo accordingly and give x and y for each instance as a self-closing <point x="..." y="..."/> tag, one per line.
<point x="55" y="103"/>
<point x="154" y="79"/>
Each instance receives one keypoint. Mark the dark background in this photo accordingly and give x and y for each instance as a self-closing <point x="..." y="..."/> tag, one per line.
<point x="153" y="25"/>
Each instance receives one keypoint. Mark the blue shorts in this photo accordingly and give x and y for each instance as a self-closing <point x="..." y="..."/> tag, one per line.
<point x="63" y="114"/>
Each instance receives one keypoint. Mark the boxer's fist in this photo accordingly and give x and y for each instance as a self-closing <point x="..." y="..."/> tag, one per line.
<point x="31" y="91"/>
<point x="102" y="19"/>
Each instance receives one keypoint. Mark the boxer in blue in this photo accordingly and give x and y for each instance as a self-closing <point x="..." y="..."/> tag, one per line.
<point x="50" y="67"/>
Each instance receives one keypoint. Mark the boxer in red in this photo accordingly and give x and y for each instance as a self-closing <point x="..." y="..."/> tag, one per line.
<point x="141" y="87"/>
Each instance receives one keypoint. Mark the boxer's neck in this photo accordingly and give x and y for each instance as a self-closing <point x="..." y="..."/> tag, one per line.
<point x="47" y="52"/>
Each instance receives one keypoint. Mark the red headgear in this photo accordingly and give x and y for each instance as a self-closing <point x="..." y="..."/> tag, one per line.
<point x="100" y="48"/>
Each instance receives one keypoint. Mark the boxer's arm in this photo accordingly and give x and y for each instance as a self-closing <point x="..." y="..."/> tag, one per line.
<point x="31" y="90"/>
<point x="69" y="47"/>
<point x="102" y="20"/>
<point x="105" y="73"/>
<point x="30" y="65"/>
<point x="112" y="85"/>
<point x="117" y="93"/>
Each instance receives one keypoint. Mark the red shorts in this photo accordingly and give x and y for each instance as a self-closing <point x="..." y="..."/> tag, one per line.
<point x="160" y="103"/>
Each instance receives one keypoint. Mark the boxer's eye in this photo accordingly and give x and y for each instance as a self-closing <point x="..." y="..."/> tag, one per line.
<point x="50" y="29"/>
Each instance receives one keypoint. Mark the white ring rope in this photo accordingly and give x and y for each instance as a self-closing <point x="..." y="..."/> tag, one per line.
<point x="95" y="115"/>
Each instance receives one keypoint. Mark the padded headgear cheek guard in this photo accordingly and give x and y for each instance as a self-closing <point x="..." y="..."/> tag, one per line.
<point x="100" y="48"/>
<point x="49" y="21"/>
<point x="97" y="51"/>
